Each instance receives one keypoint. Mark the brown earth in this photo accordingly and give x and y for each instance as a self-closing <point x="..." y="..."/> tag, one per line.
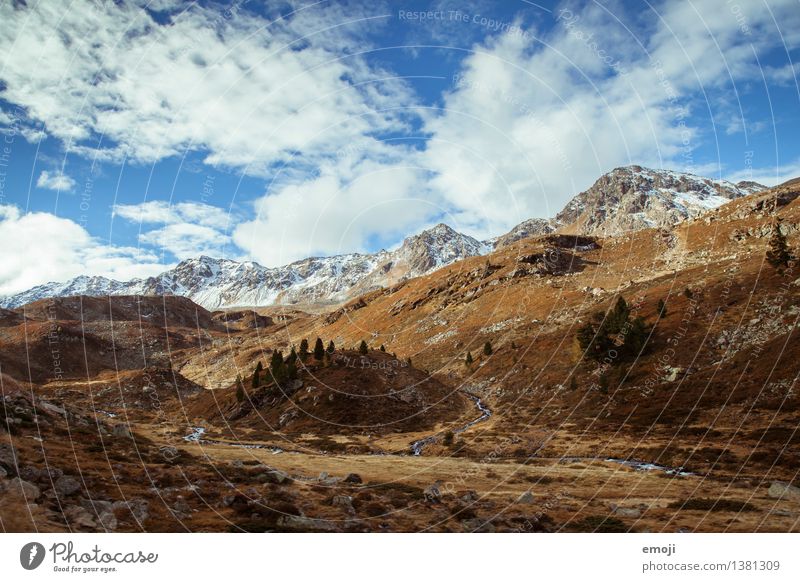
<point x="710" y="403"/>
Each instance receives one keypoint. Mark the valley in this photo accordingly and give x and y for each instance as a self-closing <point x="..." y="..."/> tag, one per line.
<point x="634" y="370"/>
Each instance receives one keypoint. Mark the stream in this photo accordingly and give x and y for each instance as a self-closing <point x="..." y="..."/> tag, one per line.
<point x="417" y="446"/>
<point x="196" y="436"/>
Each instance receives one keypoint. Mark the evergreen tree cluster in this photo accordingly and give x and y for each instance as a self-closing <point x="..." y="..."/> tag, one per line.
<point x="613" y="335"/>
<point x="778" y="253"/>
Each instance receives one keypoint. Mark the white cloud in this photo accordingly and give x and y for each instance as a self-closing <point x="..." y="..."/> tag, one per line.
<point x="248" y="90"/>
<point x="55" y="181"/>
<point x="768" y="176"/>
<point x="162" y="212"/>
<point x="189" y="229"/>
<point x="39" y="247"/>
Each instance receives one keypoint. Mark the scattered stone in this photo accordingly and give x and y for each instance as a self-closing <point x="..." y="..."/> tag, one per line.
<point x="96" y="506"/>
<point x="527" y="498"/>
<point x="469" y="497"/>
<point x="306" y="524"/>
<point x="78" y="517"/>
<point x="274" y="476"/>
<point x="343" y="501"/>
<point x="66" y="486"/>
<point x="22" y="488"/>
<point x="782" y="490"/>
<point x="433" y="493"/>
<point x="477" y="525"/>
<point x="353" y="478"/>
<point x="50" y="474"/>
<point x="3" y="472"/>
<point x="138" y="508"/>
<point x="627" y="512"/>
<point x="122" y="431"/>
<point x="108" y="520"/>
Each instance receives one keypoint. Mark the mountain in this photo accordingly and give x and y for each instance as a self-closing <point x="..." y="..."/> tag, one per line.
<point x="632" y="198"/>
<point x="625" y="199"/>
<point x="216" y="283"/>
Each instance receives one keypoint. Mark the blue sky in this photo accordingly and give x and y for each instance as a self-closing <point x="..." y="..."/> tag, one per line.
<point x="138" y="134"/>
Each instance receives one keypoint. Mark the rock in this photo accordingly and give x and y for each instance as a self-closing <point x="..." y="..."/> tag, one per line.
<point x="627" y="512"/>
<point x="78" y="517"/>
<point x="107" y="520"/>
<point x="306" y="524"/>
<point x="66" y="486"/>
<point x="433" y="493"/>
<point x="50" y="474"/>
<point x="29" y="473"/>
<point x="137" y="508"/>
<point x="8" y="458"/>
<point x="527" y="498"/>
<point x="469" y="497"/>
<point x="343" y="501"/>
<point x="3" y="472"/>
<point x="22" y="488"/>
<point x="477" y="525"/>
<point x="353" y="478"/>
<point x="51" y="409"/>
<point x="782" y="490"/>
<point x="96" y="506"/>
<point x="274" y="476"/>
<point x="122" y="431"/>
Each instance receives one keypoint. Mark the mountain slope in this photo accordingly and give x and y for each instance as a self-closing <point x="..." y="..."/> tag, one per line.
<point x="633" y="198"/>
<point x="625" y="199"/>
<point x="217" y="283"/>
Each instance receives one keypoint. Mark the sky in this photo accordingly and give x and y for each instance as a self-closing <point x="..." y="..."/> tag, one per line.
<point x="136" y="134"/>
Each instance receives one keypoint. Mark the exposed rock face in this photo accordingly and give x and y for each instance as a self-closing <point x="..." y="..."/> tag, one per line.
<point x="214" y="283"/>
<point x="632" y="198"/>
<point x="625" y="199"/>
<point x="529" y="228"/>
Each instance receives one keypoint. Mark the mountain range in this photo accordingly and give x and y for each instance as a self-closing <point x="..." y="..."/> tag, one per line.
<point x="626" y="199"/>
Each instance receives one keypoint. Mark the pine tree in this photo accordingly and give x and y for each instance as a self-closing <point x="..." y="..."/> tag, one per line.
<point x="277" y="367"/>
<point x="292" y="356"/>
<point x="383" y="348"/>
<point x="662" y="308"/>
<point x="468" y="361"/>
<point x="331" y="347"/>
<point x="363" y="349"/>
<point x="257" y="374"/>
<point x="778" y="253"/>
<point x="319" y="350"/>
<point x="487" y="349"/>
<point x="304" y="349"/>
<point x="291" y="369"/>
<point x="239" y="389"/>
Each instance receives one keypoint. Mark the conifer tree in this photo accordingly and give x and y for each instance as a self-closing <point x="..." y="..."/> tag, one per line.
<point x="662" y="308"/>
<point x="319" y="350"/>
<point x="468" y="361"/>
<point x="778" y="253"/>
<point x="304" y="349"/>
<point x="257" y="374"/>
<point x="331" y="347"/>
<point x="383" y="348"/>
<point x="362" y="348"/>
<point x="487" y="349"/>
<point x="239" y="389"/>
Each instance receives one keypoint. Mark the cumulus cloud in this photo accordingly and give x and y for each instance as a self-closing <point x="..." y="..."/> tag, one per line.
<point x="189" y="229"/>
<point x="530" y="119"/>
<point x="248" y="90"/>
<point x="768" y="176"/>
<point x="55" y="181"/>
<point x="39" y="247"/>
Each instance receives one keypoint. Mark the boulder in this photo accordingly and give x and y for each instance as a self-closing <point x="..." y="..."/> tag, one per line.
<point x="136" y="508"/>
<point x="66" y="486"/>
<point x="477" y="525"/>
<point x="21" y="488"/>
<point x="782" y="490"/>
<point x="96" y="506"/>
<point x="526" y="498"/>
<point x="274" y="476"/>
<point x="78" y="517"/>
<point x="353" y="478"/>
<point x="122" y="431"/>
<point x="343" y="501"/>
<point x="305" y="524"/>
<point x="628" y="512"/>
<point x="107" y="520"/>
<point x="433" y="493"/>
